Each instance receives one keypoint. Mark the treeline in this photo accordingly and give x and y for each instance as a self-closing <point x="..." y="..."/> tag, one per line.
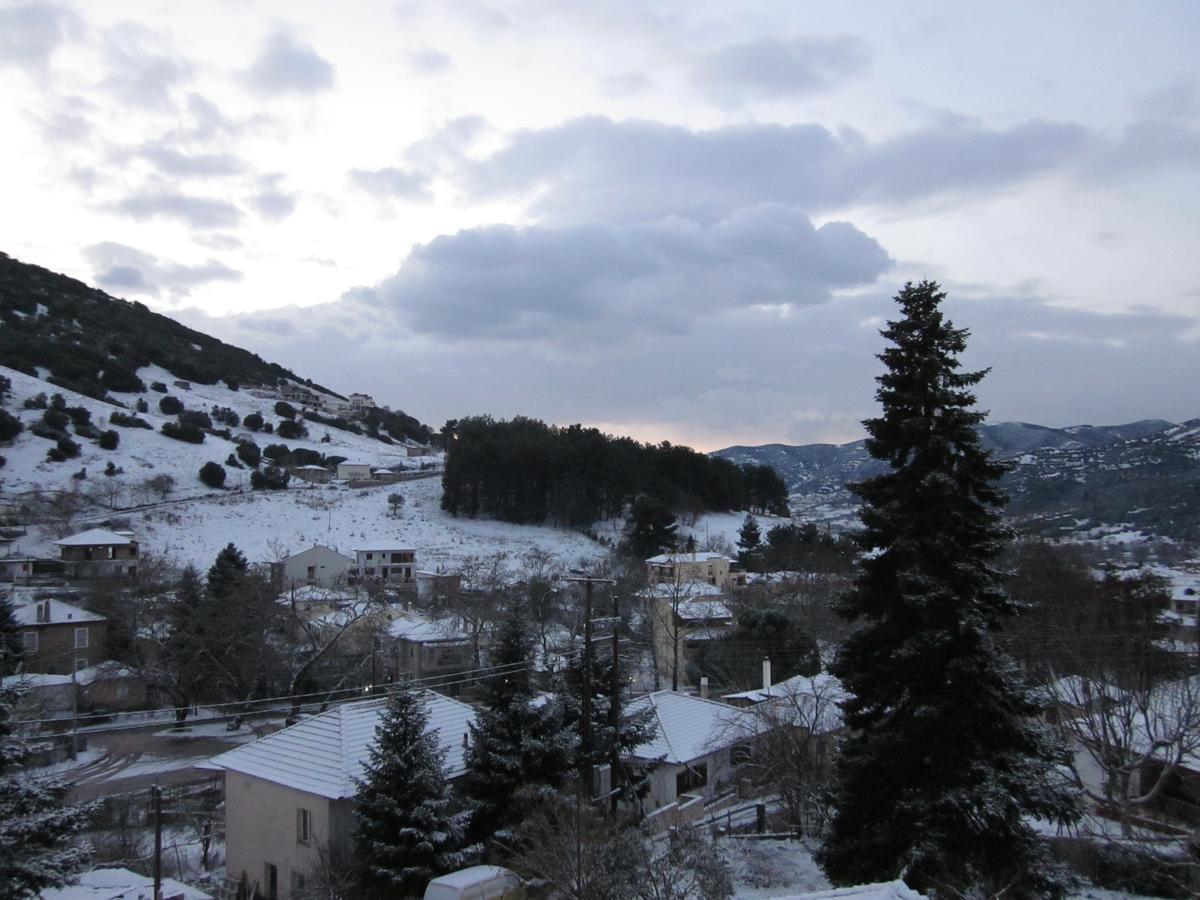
<point x="523" y="470"/>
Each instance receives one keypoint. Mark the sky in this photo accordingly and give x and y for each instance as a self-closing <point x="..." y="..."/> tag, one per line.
<point x="683" y="221"/>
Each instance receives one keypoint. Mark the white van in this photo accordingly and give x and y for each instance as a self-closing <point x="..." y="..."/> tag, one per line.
<point x="477" y="883"/>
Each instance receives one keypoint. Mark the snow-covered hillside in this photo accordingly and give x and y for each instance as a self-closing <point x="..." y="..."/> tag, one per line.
<point x="194" y="522"/>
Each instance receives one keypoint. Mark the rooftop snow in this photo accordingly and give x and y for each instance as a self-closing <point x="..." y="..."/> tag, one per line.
<point x="95" y="537"/>
<point x="887" y="890"/>
<point x="60" y="614"/>
<point x="384" y="547"/>
<point x="417" y="628"/>
<point x="325" y="754"/>
<point x="686" y="557"/>
<point x="120" y="884"/>
<point x="690" y="727"/>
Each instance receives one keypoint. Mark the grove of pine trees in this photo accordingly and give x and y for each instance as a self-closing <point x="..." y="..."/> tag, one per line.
<point x="944" y="764"/>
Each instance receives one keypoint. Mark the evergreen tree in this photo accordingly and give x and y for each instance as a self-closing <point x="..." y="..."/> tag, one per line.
<point x="406" y="834"/>
<point x="11" y="650"/>
<point x="515" y="743"/>
<point x="652" y="529"/>
<point x="944" y="761"/>
<point x="227" y="572"/>
<point x="749" y="541"/>
<point x="37" y="826"/>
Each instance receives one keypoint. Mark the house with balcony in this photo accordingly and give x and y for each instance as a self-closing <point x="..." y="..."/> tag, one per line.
<point x="388" y="561"/>
<point x="99" y="553"/>
<point x="711" y="568"/>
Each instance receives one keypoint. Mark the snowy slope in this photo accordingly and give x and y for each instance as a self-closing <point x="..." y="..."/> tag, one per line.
<point x="195" y="522"/>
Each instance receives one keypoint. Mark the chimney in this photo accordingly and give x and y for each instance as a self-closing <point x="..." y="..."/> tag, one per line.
<point x="45" y="611"/>
<point x="767" y="674"/>
<point x="703" y="687"/>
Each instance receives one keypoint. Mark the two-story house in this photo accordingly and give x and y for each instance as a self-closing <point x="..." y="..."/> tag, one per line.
<point x="388" y="561"/>
<point x="711" y="568"/>
<point x="428" y="649"/>
<point x="318" y="565"/>
<point x="58" y="638"/>
<point x="99" y="553"/>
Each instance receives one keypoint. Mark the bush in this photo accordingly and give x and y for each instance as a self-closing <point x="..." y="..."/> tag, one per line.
<point x="38" y="401"/>
<point x="291" y="429"/>
<point x="170" y="405"/>
<point x="278" y="453"/>
<point x="183" y="432"/>
<point x="226" y="416"/>
<point x="158" y="386"/>
<point x="231" y="383"/>
<point x="213" y="474"/>
<point x="64" y="449"/>
<point x="42" y="430"/>
<point x="269" y="478"/>
<point x="109" y="440"/>
<point x="248" y="452"/>
<point x="56" y="419"/>
<point x="119" y="418"/>
<point x="285" y="409"/>
<point x="119" y="378"/>
<point x="10" y="425"/>
<point x="232" y="462"/>
<point x="91" y="432"/>
<point x="254" y="421"/>
<point x="111" y="469"/>
<point x="197" y="418"/>
<point x="268" y="428"/>
<point x="142" y="405"/>
<point x="79" y="415"/>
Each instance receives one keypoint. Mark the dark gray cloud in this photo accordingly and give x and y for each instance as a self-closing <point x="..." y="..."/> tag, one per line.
<point x="602" y="283"/>
<point x="772" y="68"/>
<point x="403" y="184"/>
<point x="158" y="202"/>
<point x="594" y="168"/>
<point x="288" y="65"/>
<point x="429" y="61"/>
<point x="142" y="70"/>
<point x="272" y="201"/>
<point x="31" y="32"/>
<point x="126" y="270"/>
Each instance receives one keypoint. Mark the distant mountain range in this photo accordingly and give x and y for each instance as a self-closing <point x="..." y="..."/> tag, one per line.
<point x="1085" y="479"/>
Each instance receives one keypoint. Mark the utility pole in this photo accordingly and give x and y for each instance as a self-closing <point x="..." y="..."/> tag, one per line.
<point x="585" y="713"/>
<point x="614" y="701"/>
<point x="156" y="797"/>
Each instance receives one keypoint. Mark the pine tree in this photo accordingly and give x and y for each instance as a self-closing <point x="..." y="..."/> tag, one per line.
<point x="515" y="743"/>
<point x="226" y="572"/>
<point x="406" y="834"/>
<point x="652" y="529"/>
<point x="944" y="761"/>
<point x="37" y="828"/>
<point x="749" y="541"/>
<point x="11" y="650"/>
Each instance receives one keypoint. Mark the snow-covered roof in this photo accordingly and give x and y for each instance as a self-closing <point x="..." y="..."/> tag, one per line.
<point x="686" y="557"/>
<point x="469" y="877"/>
<point x="797" y="684"/>
<point x="108" y="670"/>
<point x="417" y="628"/>
<point x="97" y="537"/>
<point x="884" y="890"/>
<point x="702" y="610"/>
<point x="691" y="727"/>
<point x="60" y="613"/>
<point x="384" y="547"/>
<point x="311" y="468"/>
<point x="120" y="884"/>
<point x="325" y="754"/>
<point x="31" y="680"/>
<point x="673" y="589"/>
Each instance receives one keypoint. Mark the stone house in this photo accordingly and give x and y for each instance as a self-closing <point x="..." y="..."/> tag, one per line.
<point x="290" y="795"/>
<point x="58" y="638"/>
<point x="313" y="474"/>
<point x="99" y="553"/>
<point x="429" y="649"/>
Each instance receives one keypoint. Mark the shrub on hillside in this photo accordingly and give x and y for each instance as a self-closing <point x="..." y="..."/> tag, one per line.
<point x="170" y="406"/>
<point x="232" y="461"/>
<point x="183" y="432"/>
<point x="291" y="429"/>
<point x="56" y="419"/>
<point x="158" y="386"/>
<point x="142" y="405"/>
<point x="254" y="421"/>
<point x="10" y="426"/>
<point x="196" y="417"/>
<point x="120" y="418"/>
<point x="226" y="416"/>
<point x="109" y="440"/>
<point x="285" y="409"/>
<point x="278" y="453"/>
<point x="231" y="383"/>
<point x="248" y="452"/>
<point x="213" y="474"/>
<point x="269" y="478"/>
<point x="91" y="432"/>
<point x="64" y="449"/>
<point x="37" y="401"/>
<point x="119" y="378"/>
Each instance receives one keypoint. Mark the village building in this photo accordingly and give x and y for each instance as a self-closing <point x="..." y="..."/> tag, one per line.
<point x="354" y="471"/>
<point x="313" y="474"/>
<point x="290" y="796"/>
<point x="712" y="568"/>
<point x="682" y="617"/>
<point x="99" y="553"/>
<point x="418" y="450"/>
<point x="361" y="401"/>
<point x="17" y="568"/>
<point x="58" y="638"/>
<point x="318" y="565"/>
<point x="430" y="650"/>
<point x="691" y="756"/>
<point x="385" y="561"/>
<point x="434" y="589"/>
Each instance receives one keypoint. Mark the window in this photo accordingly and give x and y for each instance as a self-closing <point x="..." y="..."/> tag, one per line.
<point x="81" y="638"/>
<point x="29" y="641"/>
<point x="303" y="826"/>
<point x="691" y="778"/>
<point x="370" y="556"/>
<point x="271" y="881"/>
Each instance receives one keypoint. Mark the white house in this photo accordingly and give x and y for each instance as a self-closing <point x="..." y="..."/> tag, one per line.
<point x="389" y="561"/>
<point x="318" y="565"/>
<point x="99" y="553"/>
<point x="354" y="471"/>
<point x="291" y="794"/>
<point x="361" y="401"/>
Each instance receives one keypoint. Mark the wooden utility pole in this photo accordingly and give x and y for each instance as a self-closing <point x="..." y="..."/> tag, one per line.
<point x="156" y="796"/>
<point x="585" y="712"/>
<point x="614" y="702"/>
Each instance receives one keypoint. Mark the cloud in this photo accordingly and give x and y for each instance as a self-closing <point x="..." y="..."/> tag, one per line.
<point x="595" y="168"/>
<point x="171" y="161"/>
<point x="272" y="201"/>
<point x="288" y="65"/>
<point x="604" y="283"/>
<point x="125" y="269"/>
<point x="404" y="184"/>
<point x="626" y="84"/>
<point x="141" y="72"/>
<point x="771" y="68"/>
<point x="68" y="119"/>
<point x="429" y="61"/>
<point x="30" y="33"/>
<point x="167" y="203"/>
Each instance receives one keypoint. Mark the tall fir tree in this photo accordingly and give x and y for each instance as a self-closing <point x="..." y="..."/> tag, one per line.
<point x="38" y="828"/>
<point x="516" y="743"/>
<point x="944" y="762"/>
<point x="406" y="832"/>
<point x="652" y="528"/>
<point x="227" y="572"/>
<point x="11" y="649"/>
<point x="749" y="542"/>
